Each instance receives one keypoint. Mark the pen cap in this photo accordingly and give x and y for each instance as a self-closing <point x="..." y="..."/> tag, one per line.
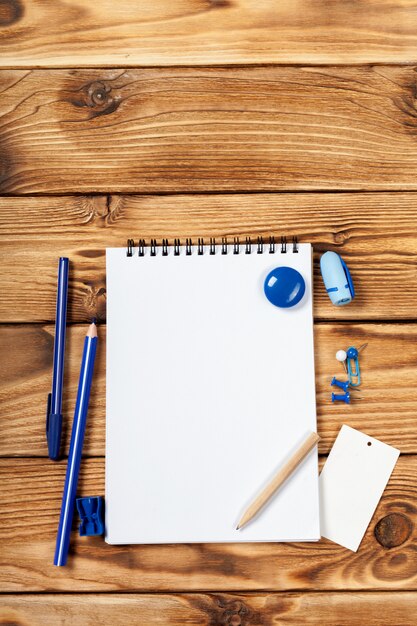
<point x="336" y="278"/>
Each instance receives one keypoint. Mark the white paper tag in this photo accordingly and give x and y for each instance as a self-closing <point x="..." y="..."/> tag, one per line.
<point x="351" y="484"/>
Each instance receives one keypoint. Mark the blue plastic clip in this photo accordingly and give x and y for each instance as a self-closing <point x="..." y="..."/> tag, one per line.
<point x="337" y="278"/>
<point x="90" y="511"/>
<point x="343" y="397"/>
<point x="352" y="361"/>
<point x="342" y="384"/>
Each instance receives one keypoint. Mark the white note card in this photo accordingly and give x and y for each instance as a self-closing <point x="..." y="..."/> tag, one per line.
<point x="351" y="484"/>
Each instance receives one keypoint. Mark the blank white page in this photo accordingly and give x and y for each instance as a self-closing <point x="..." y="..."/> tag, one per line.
<point x="210" y="389"/>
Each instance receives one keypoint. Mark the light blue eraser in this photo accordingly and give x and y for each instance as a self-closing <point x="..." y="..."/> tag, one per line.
<point x="336" y="278"/>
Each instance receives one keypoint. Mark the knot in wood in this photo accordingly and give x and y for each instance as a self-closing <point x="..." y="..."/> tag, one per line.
<point x="340" y="237"/>
<point x="393" y="530"/>
<point x="98" y="94"/>
<point x="10" y="12"/>
<point x="235" y="614"/>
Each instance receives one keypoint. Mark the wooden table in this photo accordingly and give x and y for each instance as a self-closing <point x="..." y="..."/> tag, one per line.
<point x="206" y="118"/>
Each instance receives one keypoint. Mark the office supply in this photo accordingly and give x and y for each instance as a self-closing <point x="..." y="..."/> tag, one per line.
<point x="337" y="279"/>
<point x="341" y="356"/>
<point x="54" y="404"/>
<point x="342" y="384"/>
<point x="284" y="287"/>
<point x="351" y="484"/>
<point x="279" y="479"/>
<point x="362" y="347"/>
<point x="76" y="446"/>
<point x="90" y="511"/>
<point x="343" y="397"/>
<point x="203" y="393"/>
<point x="352" y="361"/>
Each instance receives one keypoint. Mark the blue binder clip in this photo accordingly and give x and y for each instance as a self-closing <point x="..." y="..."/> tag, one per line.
<point x="90" y="511"/>
<point x="337" y="279"/>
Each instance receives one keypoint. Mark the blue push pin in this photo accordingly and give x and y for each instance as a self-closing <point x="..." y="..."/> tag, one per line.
<point x="342" y="384"/>
<point x="284" y="287"/>
<point x="352" y="353"/>
<point x="344" y="397"/>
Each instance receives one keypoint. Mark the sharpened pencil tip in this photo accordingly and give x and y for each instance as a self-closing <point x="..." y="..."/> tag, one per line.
<point x="237" y="527"/>
<point x="92" y="330"/>
<point x="94" y="320"/>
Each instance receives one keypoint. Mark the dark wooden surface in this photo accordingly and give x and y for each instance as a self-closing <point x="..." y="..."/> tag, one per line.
<point x="208" y="129"/>
<point x="208" y="609"/>
<point x="376" y="233"/>
<point x="387" y="410"/>
<point x="206" y="118"/>
<point x="79" y="33"/>
<point x="30" y="500"/>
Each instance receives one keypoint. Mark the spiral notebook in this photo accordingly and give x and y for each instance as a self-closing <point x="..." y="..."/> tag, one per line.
<point x="210" y="389"/>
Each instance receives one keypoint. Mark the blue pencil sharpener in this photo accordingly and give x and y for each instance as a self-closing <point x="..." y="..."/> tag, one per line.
<point x="91" y="511"/>
<point x="336" y="278"/>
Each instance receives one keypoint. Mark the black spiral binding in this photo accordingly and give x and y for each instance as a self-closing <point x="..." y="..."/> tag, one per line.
<point x="249" y="247"/>
<point x="130" y="246"/>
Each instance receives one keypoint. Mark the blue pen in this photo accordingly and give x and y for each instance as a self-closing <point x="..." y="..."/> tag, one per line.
<point x="54" y="407"/>
<point x="76" y="447"/>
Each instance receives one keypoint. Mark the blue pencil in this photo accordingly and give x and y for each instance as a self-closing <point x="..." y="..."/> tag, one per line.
<point x="76" y="447"/>
<point x="54" y="409"/>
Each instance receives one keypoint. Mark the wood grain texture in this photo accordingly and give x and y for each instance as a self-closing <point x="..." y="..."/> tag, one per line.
<point x="341" y="120"/>
<point x="208" y="129"/>
<point x="214" y="609"/>
<point x="376" y="233"/>
<point x="388" y="410"/>
<point x="30" y="497"/>
<point x="81" y="33"/>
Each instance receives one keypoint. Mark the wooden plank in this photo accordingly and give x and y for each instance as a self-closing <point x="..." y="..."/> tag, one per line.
<point x="209" y="129"/>
<point x="30" y="495"/>
<point x="379" y="249"/>
<point x="388" y="410"/>
<point x="314" y="609"/>
<point x="80" y="33"/>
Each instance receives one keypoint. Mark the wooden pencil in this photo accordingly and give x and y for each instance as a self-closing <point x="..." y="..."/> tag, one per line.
<point x="279" y="479"/>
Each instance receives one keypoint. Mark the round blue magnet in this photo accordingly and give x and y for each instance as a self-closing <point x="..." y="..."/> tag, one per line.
<point x="284" y="287"/>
